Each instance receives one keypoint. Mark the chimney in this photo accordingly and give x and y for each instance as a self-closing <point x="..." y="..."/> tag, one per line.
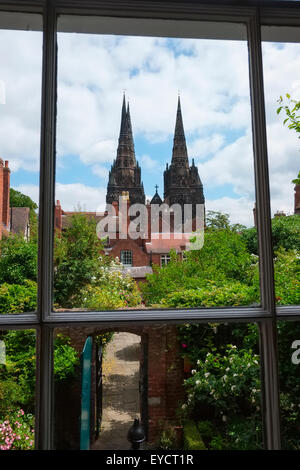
<point x="297" y="199"/>
<point x="58" y="217"/>
<point x="1" y="195"/>
<point x="5" y="201"/>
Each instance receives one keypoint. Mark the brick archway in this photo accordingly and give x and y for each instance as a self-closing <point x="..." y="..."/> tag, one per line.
<point x="164" y="368"/>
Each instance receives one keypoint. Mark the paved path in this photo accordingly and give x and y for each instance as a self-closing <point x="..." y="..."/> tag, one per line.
<point x="121" y="401"/>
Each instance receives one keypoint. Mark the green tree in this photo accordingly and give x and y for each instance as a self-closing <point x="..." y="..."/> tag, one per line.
<point x="224" y="258"/>
<point x="18" y="260"/>
<point x="217" y="220"/>
<point x="285" y="234"/>
<point x="76" y="259"/>
<point x="18" y="199"/>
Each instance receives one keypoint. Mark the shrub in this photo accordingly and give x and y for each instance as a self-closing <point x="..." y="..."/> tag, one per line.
<point x="223" y="259"/>
<point x="228" y="384"/>
<point x="66" y="358"/>
<point x="112" y="290"/>
<point x="287" y="277"/>
<point x="233" y="294"/>
<point x="18" y="260"/>
<point x="191" y="437"/>
<point x="15" y="298"/>
<point x="285" y="234"/>
<point x="17" y="431"/>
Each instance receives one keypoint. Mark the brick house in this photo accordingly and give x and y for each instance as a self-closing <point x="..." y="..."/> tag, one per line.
<point x="12" y="219"/>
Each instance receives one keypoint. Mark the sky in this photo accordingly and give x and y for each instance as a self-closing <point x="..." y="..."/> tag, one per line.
<point x="212" y="78"/>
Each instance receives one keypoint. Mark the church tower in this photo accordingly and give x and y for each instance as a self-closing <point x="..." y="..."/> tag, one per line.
<point x="125" y="172"/>
<point x="182" y="184"/>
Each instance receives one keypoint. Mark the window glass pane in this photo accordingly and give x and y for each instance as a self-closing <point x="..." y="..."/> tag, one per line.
<point x="282" y="92"/>
<point x="20" y="105"/>
<point x="186" y="384"/>
<point x="17" y="389"/>
<point x="147" y="164"/>
<point x="289" y="374"/>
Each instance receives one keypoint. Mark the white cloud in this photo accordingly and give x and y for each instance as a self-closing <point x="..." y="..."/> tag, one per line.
<point x="212" y="77"/>
<point x="71" y="196"/>
<point x="240" y="210"/>
<point x="77" y="195"/>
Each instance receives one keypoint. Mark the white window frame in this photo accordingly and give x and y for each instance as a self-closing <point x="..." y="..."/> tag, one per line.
<point x="126" y="254"/>
<point x="164" y="260"/>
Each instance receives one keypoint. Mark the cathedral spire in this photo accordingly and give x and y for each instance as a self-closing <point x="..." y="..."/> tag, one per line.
<point x="129" y="133"/>
<point x="123" y="120"/>
<point x="125" y="174"/>
<point x="179" y="154"/>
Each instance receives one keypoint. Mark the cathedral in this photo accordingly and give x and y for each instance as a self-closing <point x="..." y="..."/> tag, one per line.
<point x="182" y="185"/>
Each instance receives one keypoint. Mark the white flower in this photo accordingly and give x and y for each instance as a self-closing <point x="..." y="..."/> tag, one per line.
<point x="183" y="406"/>
<point x="193" y="371"/>
<point x="233" y="347"/>
<point x="233" y="387"/>
<point x="198" y="362"/>
<point x="207" y="374"/>
<point x="224" y="377"/>
<point x="227" y="369"/>
<point x="198" y="382"/>
<point x="248" y="365"/>
<point x="235" y="375"/>
<point x="224" y="418"/>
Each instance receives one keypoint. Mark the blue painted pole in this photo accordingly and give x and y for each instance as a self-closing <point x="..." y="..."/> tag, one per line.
<point x="86" y="376"/>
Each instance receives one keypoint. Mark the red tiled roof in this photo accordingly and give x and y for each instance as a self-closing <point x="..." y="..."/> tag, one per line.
<point x="161" y="244"/>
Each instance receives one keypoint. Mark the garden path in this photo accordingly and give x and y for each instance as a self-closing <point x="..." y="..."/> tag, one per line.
<point x="121" y="400"/>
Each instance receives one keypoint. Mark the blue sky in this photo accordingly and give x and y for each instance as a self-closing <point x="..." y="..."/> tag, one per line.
<point x="212" y="77"/>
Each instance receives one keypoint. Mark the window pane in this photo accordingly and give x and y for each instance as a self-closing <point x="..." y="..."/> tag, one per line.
<point x="282" y="91"/>
<point x="17" y="389"/>
<point x="20" y="105"/>
<point x="167" y="146"/>
<point x="289" y="374"/>
<point x="186" y="383"/>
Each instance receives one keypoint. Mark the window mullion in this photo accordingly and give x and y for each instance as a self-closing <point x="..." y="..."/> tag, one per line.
<point x="47" y="164"/>
<point x="44" y="402"/>
<point x="268" y="343"/>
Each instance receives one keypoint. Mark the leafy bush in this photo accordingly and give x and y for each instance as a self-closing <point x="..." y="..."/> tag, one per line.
<point x="16" y="298"/>
<point x="227" y="384"/>
<point x="167" y="438"/>
<point x="287" y="277"/>
<point x="17" y="376"/>
<point x="285" y="234"/>
<point x="112" y="290"/>
<point x="191" y="436"/>
<point x="18" y="260"/>
<point x="199" y="339"/>
<point x="223" y="258"/>
<point x="76" y="260"/>
<point x="17" y="431"/>
<point x="66" y="358"/>
<point x="232" y="294"/>
<point x="223" y="392"/>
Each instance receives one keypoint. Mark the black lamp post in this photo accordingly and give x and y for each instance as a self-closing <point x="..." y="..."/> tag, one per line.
<point x="136" y="434"/>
